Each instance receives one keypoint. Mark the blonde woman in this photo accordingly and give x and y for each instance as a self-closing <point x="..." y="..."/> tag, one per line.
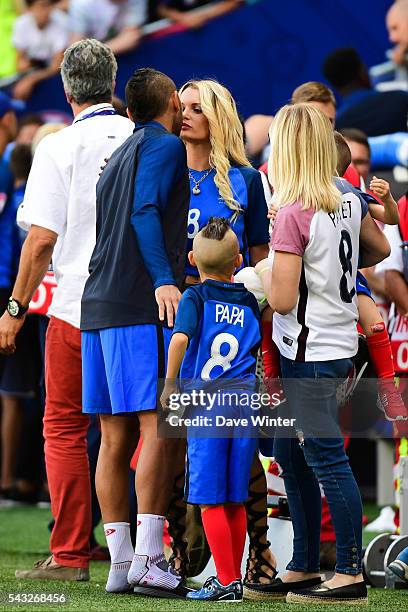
<point x="222" y="181"/>
<point x="316" y="237"/>
<point x="223" y="184"/>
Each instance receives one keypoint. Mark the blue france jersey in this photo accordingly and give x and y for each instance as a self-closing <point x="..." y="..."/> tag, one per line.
<point x="251" y="225"/>
<point x="222" y="322"/>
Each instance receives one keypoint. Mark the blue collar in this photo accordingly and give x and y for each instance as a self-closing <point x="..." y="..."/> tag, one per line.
<point x="217" y="283"/>
<point x="155" y="124"/>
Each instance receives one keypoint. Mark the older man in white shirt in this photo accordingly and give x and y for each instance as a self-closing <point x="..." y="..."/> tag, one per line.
<point x="59" y="211"/>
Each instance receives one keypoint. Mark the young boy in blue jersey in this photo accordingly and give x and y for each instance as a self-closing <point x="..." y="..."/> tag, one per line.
<point x="216" y="336"/>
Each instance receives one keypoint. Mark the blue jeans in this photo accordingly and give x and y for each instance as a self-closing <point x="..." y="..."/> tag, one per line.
<point x="403" y="556"/>
<point x="316" y="460"/>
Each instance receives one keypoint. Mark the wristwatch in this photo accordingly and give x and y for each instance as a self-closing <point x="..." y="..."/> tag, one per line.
<point x="15" y="309"/>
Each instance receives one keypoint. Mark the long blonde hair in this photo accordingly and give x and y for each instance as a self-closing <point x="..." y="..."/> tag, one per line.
<point x="303" y="158"/>
<point x="226" y="135"/>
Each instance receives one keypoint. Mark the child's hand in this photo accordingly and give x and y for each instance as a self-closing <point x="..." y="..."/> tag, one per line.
<point x="170" y="387"/>
<point x="272" y="212"/>
<point x="380" y="188"/>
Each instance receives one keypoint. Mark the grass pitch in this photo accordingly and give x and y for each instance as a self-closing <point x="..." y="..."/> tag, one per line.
<point x="24" y="540"/>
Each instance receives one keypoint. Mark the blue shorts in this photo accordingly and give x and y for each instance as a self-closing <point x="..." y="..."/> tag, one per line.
<point x="121" y="367"/>
<point x="218" y="469"/>
<point x="362" y="285"/>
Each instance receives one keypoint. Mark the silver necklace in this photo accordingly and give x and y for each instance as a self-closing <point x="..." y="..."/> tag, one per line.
<point x="196" y="189"/>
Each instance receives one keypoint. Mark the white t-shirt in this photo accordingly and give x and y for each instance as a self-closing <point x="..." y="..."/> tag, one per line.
<point x="322" y="325"/>
<point x="61" y="196"/>
<point x="45" y="43"/>
<point x="103" y="19"/>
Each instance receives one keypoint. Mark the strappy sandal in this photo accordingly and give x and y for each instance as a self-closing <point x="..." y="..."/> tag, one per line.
<point x="177" y="530"/>
<point x="259" y="571"/>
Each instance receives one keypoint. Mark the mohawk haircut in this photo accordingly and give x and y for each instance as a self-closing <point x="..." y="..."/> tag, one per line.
<point x="216" y="228"/>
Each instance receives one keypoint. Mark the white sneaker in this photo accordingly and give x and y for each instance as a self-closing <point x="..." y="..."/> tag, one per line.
<point x="384" y="522"/>
<point x="146" y="570"/>
<point x="117" y="579"/>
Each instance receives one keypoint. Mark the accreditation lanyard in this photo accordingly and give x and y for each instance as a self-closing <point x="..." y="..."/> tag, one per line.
<point x="97" y="113"/>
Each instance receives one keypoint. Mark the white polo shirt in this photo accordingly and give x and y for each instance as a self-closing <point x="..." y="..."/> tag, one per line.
<point x="61" y="196"/>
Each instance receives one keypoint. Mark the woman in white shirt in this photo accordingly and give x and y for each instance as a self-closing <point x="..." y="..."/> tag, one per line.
<point x="316" y="239"/>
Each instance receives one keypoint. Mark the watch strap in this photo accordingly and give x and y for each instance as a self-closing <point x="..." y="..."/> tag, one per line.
<point x="21" y="309"/>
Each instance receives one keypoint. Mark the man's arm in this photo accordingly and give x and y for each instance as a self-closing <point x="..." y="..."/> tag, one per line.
<point x="34" y="261"/>
<point x="24" y="88"/>
<point x="397" y="289"/>
<point x="149" y="233"/>
<point x="126" y="40"/>
<point x="374" y="246"/>
<point x="161" y="162"/>
<point x="189" y="19"/>
<point x="130" y="34"/>
<point x="194" y="18"/>
<point x="221" y="8"/>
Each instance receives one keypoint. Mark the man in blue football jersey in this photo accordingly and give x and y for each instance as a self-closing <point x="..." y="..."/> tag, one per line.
<point x="128" y="305"/>
<point x="216" y="335"/>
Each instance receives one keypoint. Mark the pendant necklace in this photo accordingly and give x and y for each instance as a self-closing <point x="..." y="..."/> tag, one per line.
<point x="196" y="189"/>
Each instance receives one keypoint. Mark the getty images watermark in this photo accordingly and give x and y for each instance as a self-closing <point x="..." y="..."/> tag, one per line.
<point x="229" y="409"/>
<point x="224" y="409"/>
<point x="324" y="408"/>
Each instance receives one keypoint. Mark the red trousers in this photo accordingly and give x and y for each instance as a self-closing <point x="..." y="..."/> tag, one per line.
<point x="66" y="456"/>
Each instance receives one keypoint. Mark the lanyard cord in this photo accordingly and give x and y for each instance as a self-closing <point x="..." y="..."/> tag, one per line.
<point x="97" y="113"/>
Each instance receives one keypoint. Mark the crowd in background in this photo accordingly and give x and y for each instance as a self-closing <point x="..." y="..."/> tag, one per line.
<point x="36" y="32"/>
<point x="40" y="30"/>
